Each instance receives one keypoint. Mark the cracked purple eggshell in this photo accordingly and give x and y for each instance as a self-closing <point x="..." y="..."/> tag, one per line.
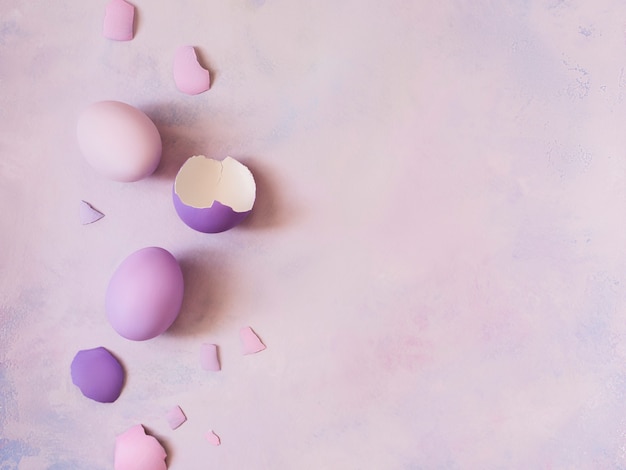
<point x="98" y="374"/>
<point x="145" y="294"/>
<point x="213" y="196"/>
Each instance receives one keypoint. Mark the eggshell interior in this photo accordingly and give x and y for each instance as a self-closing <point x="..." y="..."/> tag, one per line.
<point x="89" y="214"/>
<point x="175" y="417"/>
<point x="213" y="438"/>
<point x="201" y="181"/>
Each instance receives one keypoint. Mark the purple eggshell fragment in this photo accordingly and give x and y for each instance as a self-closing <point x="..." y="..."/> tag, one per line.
<point x="98" y="374"/>
<point x="215" y="219"/>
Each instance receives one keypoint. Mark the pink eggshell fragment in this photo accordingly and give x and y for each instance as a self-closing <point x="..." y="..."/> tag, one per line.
<point x="98" y="374"/>
<point x="118" y="20"/>
<point x="145" y="294"/>
<point x="208" y="357"/>
<point x="212" y="196"/>
<point x="190" y="77"/>
<point x="213" y="438"/>
<point x="175" y="417"/>
<point x="134" y="450"/>
<point x="250" y="342"/>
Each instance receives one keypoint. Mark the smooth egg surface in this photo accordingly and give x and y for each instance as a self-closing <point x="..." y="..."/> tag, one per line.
<point x="119" y="141"/>
<point x="145" y="294"/>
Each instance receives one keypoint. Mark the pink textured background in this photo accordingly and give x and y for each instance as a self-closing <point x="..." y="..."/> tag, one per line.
<point x="436" y="260"/>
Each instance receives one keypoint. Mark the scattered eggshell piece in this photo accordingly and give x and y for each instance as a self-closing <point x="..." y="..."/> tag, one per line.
<point x="135" y="450"/>
<point x="213" y="438"/>
<point x="250" y="342"/>
<point x="88" y="214"/>
<point x="213" y="196"/>
<point x="98" y="374"/>
<point x="190" y="77"/>
<point x="209" y="359"/>
<point x="175" y="417"/>
<point x="118" y="20"/>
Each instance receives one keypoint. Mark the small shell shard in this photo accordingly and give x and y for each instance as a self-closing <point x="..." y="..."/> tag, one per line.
<point x="213" y="438"/>
<point x="209" y="359"/>
<point x="190" y="77"/>
<point x="250" y="342"/>
<point x="118" y="20"/>
<point x="88" y="214"/>
<point x="175" y="417"/>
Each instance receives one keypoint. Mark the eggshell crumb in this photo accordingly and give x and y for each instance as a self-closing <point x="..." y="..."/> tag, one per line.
<point x="89" y="214"/>
<point x="209" y="359"/>
<point x="190" y="77"/>
<point x="175" y="417"/>
<point x="118" y="20"/>
<point x="250" y="342"/>
<point x="213" y="438"/>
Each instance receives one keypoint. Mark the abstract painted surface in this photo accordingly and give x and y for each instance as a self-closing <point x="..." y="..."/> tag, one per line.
<point x="435" y="259"/>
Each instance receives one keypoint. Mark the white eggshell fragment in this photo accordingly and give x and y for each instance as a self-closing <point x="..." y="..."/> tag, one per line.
<point x="213" y="196"/>
<point x="145" y="294"/>
<point x="119" y="141"/>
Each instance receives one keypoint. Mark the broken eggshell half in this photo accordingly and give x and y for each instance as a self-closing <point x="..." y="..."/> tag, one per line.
<point x="213" y="196"/>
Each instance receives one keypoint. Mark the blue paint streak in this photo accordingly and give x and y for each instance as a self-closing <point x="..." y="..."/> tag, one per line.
<point x="7" y="398"/>
<point x="66" y="466"/>
<point x="12" y="452"/>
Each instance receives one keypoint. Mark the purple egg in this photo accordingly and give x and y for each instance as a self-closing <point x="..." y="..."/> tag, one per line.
<point x="213" y="196"/>
<point x="98" y="374"/>
<point x="145" y="294"/>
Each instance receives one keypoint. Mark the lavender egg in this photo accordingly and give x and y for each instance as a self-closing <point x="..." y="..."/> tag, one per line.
<point x="145" y="294"/>
<point x="213" y="196"/>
